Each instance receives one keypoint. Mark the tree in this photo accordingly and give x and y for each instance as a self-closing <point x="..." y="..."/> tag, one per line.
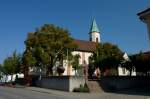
<point x="1" y="71"/>
<point x="16" y="59"/>
<point x="141" y="63"/>
<point x="48" y="45"/>
<point x="128" y="65"/>
<point x="28" y="61"/>
<point x="107" y="57"/>
<point x="91" y="67"/>
<point x="75" y="63"/>
<point x="11" y="65"/>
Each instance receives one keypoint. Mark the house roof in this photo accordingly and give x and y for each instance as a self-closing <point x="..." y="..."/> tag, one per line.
<point x="144" y="13"/>
<point x="145" y="54"/>
<point x="85" y="46"/>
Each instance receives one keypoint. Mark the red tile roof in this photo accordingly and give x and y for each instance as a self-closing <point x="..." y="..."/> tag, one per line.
<point x="85" y="46"/>
<point x="145" y="54"/>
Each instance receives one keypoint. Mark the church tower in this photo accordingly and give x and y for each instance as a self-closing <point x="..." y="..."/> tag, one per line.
<point x="94" y="32"/>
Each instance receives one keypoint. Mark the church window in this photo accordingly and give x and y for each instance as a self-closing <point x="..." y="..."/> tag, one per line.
<point x="97" y="39"/>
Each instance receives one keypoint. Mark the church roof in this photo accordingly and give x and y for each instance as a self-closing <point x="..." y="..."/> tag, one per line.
<point x="94" y="27"/>
<point x="85" y="46"/>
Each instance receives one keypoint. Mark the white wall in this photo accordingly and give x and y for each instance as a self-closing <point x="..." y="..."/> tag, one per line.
<point x="65" y="83"/>
<point x="8" y="77"/>
<point x="95" y="35"/>
<point x="124" y="72"/>
<point x="84" y="56"/>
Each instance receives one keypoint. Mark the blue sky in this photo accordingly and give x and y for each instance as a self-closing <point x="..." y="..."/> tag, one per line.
<point x="117" y="21"/>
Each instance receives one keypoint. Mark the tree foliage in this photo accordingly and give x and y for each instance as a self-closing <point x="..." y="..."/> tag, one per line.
<point x="106" y="56"/>
<point x="128" y="65"/>
<point x="75" y="62"/>
<point x="1" y="71"/>
<point x="141" y="62"/>
<point x="47" y="45"/>
<point x="11" y="64"/>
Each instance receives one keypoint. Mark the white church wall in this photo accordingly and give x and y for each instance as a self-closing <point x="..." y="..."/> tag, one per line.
<point x="94" y="36"/>
<point x="80" y="53"/>
<point x="84" y="56"/>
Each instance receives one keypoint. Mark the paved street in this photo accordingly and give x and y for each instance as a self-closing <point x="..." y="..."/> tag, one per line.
<point x="18" y="93"/>
<point x="39" y="93"/>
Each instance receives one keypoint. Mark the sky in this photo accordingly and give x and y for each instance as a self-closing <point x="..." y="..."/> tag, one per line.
<point x="117" y="20"/>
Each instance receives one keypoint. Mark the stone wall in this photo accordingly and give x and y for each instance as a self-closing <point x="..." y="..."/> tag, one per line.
<point x="64" y="83"/>
<point x="124" y="82"/>
<point x="76" y="81"/>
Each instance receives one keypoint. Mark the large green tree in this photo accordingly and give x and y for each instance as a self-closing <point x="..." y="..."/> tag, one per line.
<point x="107" y="57"/>
<point x="47" y="45"/>
<point x="27" y="61"/>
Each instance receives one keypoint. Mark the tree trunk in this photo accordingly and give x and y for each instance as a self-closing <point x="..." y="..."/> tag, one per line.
<point x="49" y="71"/>
<point x="26" y="75"/>
<point x="75" y="72"/>
<point x="6" y="77"/>
<point x="25" y="71"/>
<point x="11" y="77"/>
<point x="130" y="72"/>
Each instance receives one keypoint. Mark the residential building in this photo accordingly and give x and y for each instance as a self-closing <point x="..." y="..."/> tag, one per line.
<point x="145" y="17"/>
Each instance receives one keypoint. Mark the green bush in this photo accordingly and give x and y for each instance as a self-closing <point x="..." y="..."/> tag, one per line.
<point x="82" y="88"/>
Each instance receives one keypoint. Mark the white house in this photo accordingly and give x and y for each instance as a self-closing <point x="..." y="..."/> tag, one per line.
<point x="145" y="17"/>
<point x="123" y="71"/>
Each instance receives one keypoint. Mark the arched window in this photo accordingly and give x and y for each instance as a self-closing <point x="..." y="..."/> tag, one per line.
<point x="97" y="39"/>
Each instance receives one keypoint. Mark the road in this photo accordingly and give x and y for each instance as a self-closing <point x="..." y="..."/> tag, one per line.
<point x="24" y="93"/>
<point x="21" y="93"/>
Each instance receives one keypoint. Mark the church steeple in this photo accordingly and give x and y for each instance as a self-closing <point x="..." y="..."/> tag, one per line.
<point x="94" y="32"/>
<point x="94" y="27"/>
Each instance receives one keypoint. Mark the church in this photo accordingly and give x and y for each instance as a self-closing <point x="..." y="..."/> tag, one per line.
<point x="85" y="48"/>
